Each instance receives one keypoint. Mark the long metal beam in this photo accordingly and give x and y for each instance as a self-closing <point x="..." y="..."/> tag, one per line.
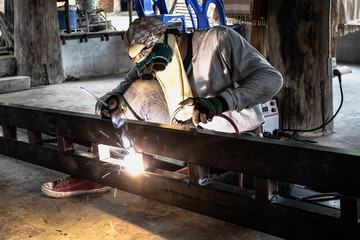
<point x="298" y="163"/>
<point x="282" y="217"/>
<point x="264" y="158"/>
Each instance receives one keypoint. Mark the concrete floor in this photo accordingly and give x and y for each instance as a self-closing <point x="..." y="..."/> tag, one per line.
<point x="26" y="214"/>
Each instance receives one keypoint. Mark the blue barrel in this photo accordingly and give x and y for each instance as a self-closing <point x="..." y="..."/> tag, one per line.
<point x="62" y="17"/>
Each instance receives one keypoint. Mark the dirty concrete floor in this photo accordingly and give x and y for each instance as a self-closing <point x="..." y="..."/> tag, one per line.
<point x="26" y="214"/>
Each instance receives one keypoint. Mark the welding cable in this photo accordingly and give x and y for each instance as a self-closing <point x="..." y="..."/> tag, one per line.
<point x="336" y="73"/>
<point x="322" y="88"/>
<point x="230" y="121"/>
<point x="174" y="121"/>
<point x="133" y="111"/>
<point x="118" y="122"/>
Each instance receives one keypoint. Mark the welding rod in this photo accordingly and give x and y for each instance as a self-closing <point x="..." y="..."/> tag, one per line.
<point x="98" y="99"/>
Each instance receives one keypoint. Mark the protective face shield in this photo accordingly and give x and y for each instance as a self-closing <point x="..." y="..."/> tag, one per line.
<point x="157" y="60"/>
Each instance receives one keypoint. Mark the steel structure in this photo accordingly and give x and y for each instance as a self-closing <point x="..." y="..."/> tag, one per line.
<point x="320" y="168"/>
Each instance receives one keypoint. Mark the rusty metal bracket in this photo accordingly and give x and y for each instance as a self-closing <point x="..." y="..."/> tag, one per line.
<point x="262" y="208"/>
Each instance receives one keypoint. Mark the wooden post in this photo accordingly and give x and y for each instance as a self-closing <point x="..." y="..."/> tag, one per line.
<point x="257" y="38"/>
<point x="9" y="10"/>
<point x="299" y="47"/>
<point x="37" y="41"/>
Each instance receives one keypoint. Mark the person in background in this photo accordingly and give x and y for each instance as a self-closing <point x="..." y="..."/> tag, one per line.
<point x="191" y="77"/>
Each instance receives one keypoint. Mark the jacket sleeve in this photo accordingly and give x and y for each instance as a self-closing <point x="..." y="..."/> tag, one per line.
<point x="255" y="80"/>
<point x="120" y="89"/>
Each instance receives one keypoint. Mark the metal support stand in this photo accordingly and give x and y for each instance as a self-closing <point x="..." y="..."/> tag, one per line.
<point x="95" y="19"/>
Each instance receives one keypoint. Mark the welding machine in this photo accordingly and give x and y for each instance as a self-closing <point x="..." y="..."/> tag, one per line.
<point x="270" y="110"/>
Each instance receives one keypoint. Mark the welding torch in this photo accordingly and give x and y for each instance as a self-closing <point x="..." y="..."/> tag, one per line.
<point x="95" y="97"/>
<point x="115" y="120"/>
<point x="176" y="122"/>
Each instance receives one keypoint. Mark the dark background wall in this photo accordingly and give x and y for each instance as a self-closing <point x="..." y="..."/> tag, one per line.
<point x="348" y="48"/>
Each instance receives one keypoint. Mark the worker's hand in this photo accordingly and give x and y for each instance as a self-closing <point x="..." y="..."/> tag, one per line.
<point x="205" y="108"/>
<point x="117" y="107"/>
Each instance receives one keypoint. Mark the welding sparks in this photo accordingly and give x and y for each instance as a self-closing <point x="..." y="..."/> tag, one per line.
<point x="112" y="226"/>
<point x="134" y="163"/>
<point x="126" y="143"/>
<point x="104" y="134"/>
<point x="105" y="175"/>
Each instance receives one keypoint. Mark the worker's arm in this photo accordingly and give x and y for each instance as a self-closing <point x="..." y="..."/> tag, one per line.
<point x="116" y="94"/>
<point x="229" y="74"/>
<point x="257" y="81"/>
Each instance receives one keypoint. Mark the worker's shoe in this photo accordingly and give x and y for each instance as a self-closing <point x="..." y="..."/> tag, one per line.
<point x="72" y="186"/>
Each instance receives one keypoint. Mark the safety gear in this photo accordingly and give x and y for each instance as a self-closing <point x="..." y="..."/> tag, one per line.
<point x="210" y="106"/>
<point x="142" y="34"/>
<point x="174" y="82"/>
<point x="152" y="45"/>
<point x="116" y="105"/>
<point x="71" y="186"/>
<point x="157" y="60"/>
<point x="120" y="103"/>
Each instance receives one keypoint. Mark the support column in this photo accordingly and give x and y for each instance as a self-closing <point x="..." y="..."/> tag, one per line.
<point x="299" y="48"/>
<point x="37" y="41"/>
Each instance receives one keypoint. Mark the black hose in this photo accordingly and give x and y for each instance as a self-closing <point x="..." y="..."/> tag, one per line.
<point x="336" y="73"/>
<point x="322" y="88"/>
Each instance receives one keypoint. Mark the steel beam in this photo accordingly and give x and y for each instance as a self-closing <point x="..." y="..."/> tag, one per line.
<point x="298" y="163"/>
<point x="282" y="217"/>
<point x="323" y="168"/>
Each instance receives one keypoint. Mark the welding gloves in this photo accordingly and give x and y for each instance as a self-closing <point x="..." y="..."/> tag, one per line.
<point x="117" y="107"/>
<point x="205" y="108"/>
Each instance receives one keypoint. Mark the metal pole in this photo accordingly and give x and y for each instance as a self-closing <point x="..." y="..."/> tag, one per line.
<point x="130" y="10"/>
<point x="67" y="16"/>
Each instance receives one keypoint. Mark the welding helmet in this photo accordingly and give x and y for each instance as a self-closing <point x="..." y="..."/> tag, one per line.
<point x="146" y="44"/>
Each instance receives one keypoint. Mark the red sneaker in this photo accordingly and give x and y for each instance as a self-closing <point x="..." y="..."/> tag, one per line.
<point x="72" y="186"/>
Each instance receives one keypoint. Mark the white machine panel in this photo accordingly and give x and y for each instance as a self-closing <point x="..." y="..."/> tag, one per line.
<point x="271" y="113"/>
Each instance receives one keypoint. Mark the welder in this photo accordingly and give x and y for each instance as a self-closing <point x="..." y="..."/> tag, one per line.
<point x="207" y="72"/>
